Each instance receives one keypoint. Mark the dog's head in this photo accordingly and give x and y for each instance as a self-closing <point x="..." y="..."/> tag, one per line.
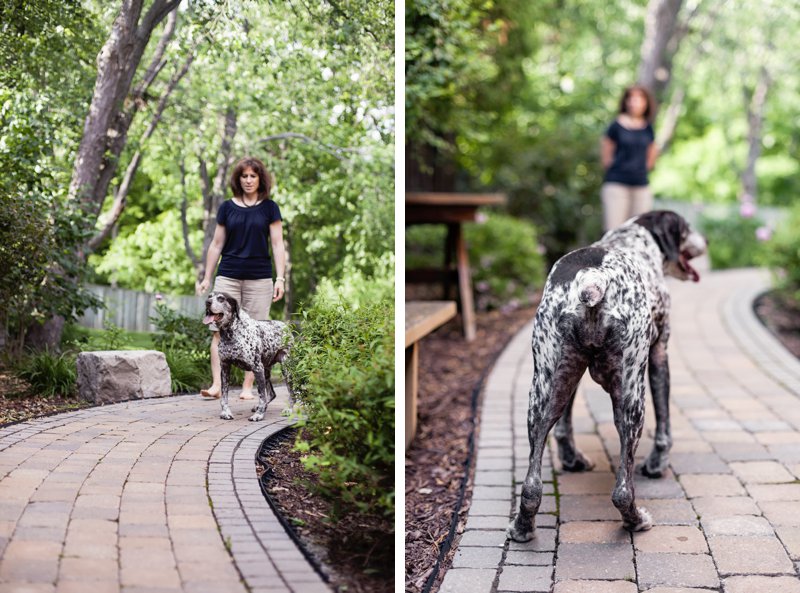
<point x="221" y="309"/>
<point x="678" y="242"/>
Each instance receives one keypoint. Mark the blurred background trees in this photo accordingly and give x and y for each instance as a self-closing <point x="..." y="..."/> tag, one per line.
<point x="514" y="96"/>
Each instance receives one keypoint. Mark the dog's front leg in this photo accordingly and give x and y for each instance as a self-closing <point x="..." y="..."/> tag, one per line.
<point x="572" y="460"/>
<point x="658" y="366"/>
<point x="261" y="383"/>
<point x="225" y="375"/>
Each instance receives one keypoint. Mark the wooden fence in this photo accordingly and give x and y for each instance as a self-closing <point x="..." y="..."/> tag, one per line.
<point x="131" y="310"/>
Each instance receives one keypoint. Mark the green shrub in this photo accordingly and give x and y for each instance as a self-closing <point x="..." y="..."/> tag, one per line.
<point x="189" y="371"/>
<point x="506" y="260"/>
<point x="342" y="370"/>
<point x="49" y="374"/>
<point x="179" y="331"/>
<point x="732" y="241"/>
<point x="782" y="254"/>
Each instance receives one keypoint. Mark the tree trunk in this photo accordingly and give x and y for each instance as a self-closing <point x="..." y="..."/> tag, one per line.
<point x="45" y="335"/>
<point x="754" y="101"/>
<point x="660" y="45"/>
<point x="106" y="127"/>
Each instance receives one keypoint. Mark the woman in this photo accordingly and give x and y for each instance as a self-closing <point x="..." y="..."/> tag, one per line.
<point x="628" y="152"/>
<point x="247" y="225"/>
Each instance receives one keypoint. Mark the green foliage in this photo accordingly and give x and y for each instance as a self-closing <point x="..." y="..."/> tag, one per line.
<point x="732" y="240"/>
<point x="190" y="371"/>
<point x="48" y="373"/>
<point x="783" y="254"/>
<point x="507" y="262"/>
<point x="113" y="336"/>
<point x="342" y="370"/>
<point x="179" y="331"/>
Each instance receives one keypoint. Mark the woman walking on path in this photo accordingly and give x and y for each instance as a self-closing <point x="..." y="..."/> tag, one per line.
<point x="628" y="152"/>
<point x="247" y="225"/>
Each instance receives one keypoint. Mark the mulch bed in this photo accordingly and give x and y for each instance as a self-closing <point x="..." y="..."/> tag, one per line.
<point x="781" y="315"/>
<point x="449" y="371"/>
<point x="355" y="552"/>
<point x="18" y="404"/>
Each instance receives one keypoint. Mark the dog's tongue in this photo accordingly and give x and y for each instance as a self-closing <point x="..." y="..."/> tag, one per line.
<point x="684" y="261"/>
<point x="208" y="319"/>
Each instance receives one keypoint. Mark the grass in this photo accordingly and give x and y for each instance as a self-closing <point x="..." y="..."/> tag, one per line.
<point x="96" y="338"/>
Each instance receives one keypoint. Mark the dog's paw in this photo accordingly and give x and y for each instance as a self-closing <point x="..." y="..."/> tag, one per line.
<point x="653" y="469"/>
<point x="226" y="413"/>
<point x="514" y="532"/>
<point x="644" y="523"/>
<point x="257" y="417"/>
<point x="579" y="463"/>
<point x="254" y="408"/>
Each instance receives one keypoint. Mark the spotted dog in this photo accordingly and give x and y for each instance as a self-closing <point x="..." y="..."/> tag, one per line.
<point x="606" y="308"/>
<point x="250" y="345"/>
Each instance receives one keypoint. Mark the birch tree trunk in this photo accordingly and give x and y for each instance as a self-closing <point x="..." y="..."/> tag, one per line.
<point x="755" y="100"/>
<point x="660" y="45"/>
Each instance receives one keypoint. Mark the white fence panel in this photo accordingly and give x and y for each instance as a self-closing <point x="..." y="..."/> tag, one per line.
<point x="131" y="310"/>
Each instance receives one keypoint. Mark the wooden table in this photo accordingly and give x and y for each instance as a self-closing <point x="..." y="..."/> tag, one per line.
<point x="451" y="209"/>
<point x="422" y="317"/>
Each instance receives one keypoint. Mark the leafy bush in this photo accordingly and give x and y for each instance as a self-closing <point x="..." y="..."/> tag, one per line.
<point x="179" y="331"/>
<point x="342" y="370"/>
<point x="782" y="254"/>
<point x="190" y="372"/>
<point x="506" y="260"/>
<point x="732" y="240"/>
<point x="49" y="374"/>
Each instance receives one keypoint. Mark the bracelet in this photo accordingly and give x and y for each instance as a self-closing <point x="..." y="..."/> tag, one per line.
<point x="279" y="279"/>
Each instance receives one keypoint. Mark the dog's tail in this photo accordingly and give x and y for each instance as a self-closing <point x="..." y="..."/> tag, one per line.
<point x="591" y="287"/>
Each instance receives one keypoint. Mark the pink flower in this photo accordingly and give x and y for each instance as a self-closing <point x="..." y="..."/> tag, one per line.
<point x="158" y="296"/>
<point x="747" y="209"/>
<point x="763" y="233"/>
<point x="481" y="218"/>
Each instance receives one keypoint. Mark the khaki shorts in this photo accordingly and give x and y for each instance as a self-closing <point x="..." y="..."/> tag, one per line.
<point x="254" y="296"/>
<point x="621" y="202"/>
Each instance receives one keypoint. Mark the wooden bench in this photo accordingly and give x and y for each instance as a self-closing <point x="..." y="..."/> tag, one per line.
<point x="422" y="317"/>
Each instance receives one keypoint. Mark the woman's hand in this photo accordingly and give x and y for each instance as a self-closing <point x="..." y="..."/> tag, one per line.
<point x="202" y="287"/>
<point x="278" y="290"/>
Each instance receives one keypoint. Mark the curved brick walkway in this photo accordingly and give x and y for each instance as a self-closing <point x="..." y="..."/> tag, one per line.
<point x="726" y="515"/>
<point x="146" y="496"/>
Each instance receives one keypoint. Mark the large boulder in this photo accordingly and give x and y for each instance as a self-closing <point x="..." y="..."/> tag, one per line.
<point x="110" y="376"/>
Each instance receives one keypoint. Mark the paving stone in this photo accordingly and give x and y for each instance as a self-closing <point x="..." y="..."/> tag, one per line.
<point x="529" y="558"/>
<point x="586" y="483"/>
<point x="676" y="570"/>
<point x="790" y="536"/>
<point x="596" y="532"/>
<point x="781" y="512"/>
<point x="467" y="580"/>
<point x="676" y="590"/>
<point x="544" y="540"/>
<point x="525" y="578"/>
<point x="736" y="525"/>
<point x="578" y="586"/>
<point x="697" y="463"/>
<point x="669" y="511"/>
<point x="697" y="485"/>
<point x="669" y="538"/>
<point x="594" y="507"/>
<point x="665" y="487"/>
<point x="761" y="584"/>
<point x="749" y="555"/>
<point x="761" y="472"/>
<point x="724" y="506"/>
<point x="595" y="561"/>
<point x="771" y="492"/>
<point x="742" y="451"/>
<point x="477" y="557"/>
<point x="483" y="538"/>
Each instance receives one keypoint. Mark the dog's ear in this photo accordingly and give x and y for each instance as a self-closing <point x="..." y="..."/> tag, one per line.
<point x="234" y="304"/>
<point x="667" y="229"/>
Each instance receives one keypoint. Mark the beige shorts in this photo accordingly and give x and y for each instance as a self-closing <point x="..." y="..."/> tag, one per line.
<point x="254" y="296"/>
<point x="621" y="202"/>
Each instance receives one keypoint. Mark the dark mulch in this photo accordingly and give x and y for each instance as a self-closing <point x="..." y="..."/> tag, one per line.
<point x="18" y="402"/>
<point x="781" y="315"/>
<point x="449" y="370"/>
<point x="356" y="552"/>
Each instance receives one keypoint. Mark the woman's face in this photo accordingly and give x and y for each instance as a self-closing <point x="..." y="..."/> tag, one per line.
<point x="636" y="103"/>
<point x="249" y="180"/>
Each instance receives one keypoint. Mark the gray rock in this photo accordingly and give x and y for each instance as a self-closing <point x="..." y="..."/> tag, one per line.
<point x="110" y="376"/>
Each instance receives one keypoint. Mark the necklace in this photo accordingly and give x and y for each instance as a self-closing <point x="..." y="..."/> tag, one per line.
<point x="246" y="205"/>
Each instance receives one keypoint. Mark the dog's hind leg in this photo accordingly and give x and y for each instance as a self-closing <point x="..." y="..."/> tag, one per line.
<point x="572" y="460"/>
<point x="549" y="395"/>
<point x="658" y="366"/>
<point x="261" y="382"/>
<point x="629" y="418"/>
<point x="225" y="374"/>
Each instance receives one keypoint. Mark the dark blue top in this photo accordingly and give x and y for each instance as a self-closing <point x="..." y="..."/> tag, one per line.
<point x="245" y="255"/>
<point x="629" y="166"/>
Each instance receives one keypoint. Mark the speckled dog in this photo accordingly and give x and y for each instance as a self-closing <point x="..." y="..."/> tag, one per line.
<point x="250" y="345"/>
<point x="606" y="308"/>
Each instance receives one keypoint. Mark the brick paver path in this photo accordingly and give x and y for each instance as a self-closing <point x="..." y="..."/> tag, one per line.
<point x="145" y="496"/>
<point x="727" y="516"/>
